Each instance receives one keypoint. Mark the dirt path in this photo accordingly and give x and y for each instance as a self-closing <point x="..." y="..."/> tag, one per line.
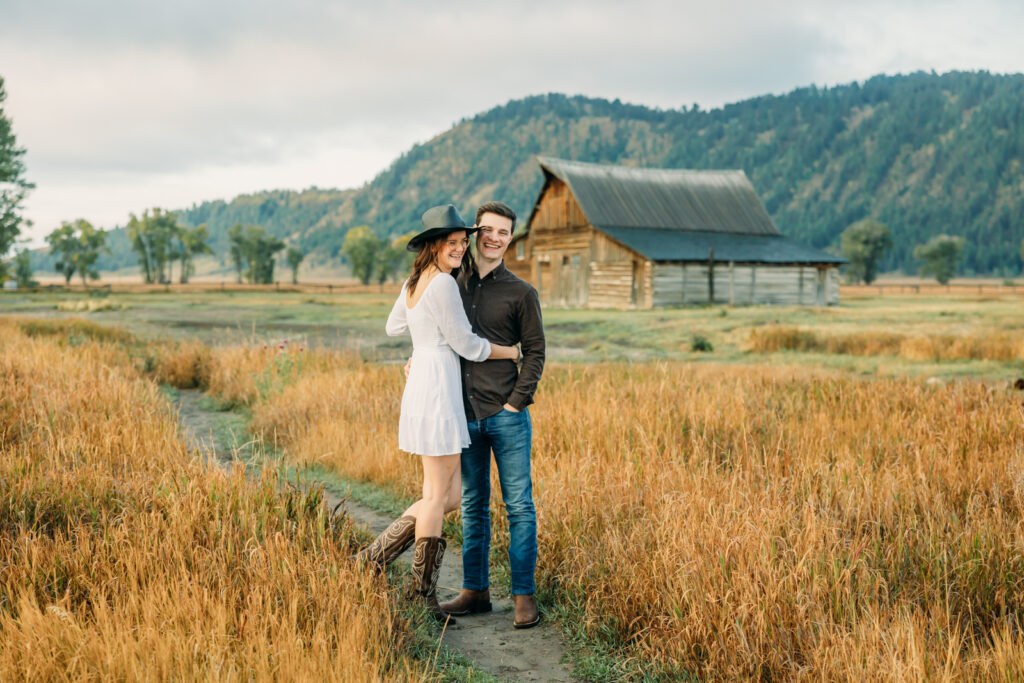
<point x="488" y="640"/>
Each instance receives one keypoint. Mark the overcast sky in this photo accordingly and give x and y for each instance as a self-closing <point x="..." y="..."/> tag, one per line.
<point x="124" y="105"/>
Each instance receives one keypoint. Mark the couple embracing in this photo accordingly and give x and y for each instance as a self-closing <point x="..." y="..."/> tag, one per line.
<point x="466" y="395"/>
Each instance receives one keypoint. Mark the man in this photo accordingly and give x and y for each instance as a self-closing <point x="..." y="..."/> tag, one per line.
<point x="505" y="310"/>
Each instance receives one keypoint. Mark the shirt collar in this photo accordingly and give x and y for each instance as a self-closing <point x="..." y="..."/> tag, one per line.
<point x="499" y="272"/>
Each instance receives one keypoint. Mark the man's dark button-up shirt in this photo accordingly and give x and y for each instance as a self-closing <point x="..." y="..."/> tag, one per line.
<point x="505" y="310"/>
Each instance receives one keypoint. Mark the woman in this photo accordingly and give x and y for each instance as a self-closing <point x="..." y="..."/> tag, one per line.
<point x="433" y="420"/>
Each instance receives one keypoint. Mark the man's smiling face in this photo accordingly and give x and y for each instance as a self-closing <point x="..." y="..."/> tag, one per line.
<point x="494" y="237"/>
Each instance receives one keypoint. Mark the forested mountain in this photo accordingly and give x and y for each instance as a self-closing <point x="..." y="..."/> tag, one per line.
<point x="924" y="153"/>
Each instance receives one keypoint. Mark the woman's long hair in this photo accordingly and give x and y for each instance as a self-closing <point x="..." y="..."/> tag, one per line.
<point x="427" y="256"/>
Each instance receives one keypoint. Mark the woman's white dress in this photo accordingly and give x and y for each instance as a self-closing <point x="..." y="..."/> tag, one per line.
<point x="433" y="420"/>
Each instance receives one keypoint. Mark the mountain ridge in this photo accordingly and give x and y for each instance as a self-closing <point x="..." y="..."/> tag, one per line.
<point x="925" y="153"/>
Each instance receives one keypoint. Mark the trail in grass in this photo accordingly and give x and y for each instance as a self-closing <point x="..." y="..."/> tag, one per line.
<point x="487" y="640"/>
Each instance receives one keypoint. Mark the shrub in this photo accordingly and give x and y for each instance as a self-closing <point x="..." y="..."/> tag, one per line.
<point x="700" y="343"/>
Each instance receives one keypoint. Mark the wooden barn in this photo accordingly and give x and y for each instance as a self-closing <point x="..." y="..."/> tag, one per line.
<point x="615" y="237"/>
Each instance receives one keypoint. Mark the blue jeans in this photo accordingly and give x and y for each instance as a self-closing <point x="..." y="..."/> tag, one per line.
<point x="509" y="435"/>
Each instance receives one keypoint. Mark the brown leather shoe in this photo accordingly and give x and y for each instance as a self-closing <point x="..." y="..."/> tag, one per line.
<point x="526" y="614"/>
<point x="426" y="567"/>
<point x="469" y="602"/>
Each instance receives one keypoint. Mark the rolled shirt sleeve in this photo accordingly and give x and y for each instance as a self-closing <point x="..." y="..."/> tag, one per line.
<point x="531" y="338"/>
<point x="445" y="305"/>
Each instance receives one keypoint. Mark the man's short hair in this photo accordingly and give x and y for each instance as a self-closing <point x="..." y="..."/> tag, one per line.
<point x="500" y="208"/>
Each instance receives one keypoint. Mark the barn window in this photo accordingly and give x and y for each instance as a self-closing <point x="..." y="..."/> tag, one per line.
<point x="565" y="260"/>
<point x="575" y="260"/>
<point x="520" y="251"/>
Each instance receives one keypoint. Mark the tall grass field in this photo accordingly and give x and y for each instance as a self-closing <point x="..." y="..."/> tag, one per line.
<point x="725" y="522"/>
<point x="124" y="557"/>
<point x="733" y="520"/>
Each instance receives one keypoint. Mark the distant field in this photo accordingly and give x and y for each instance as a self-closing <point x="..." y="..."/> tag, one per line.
<point x="916" y="334"/>
<point x="210" y="270"/>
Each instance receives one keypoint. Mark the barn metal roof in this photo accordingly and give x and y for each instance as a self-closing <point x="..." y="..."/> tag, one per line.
<point x="667" y="199"/>
<point x="659" y="244"/>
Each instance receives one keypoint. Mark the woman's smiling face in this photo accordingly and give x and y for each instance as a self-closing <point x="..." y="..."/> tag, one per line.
<point x="453" y="249"/>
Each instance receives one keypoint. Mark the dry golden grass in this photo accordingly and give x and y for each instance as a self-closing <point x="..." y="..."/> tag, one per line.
<point x="345" y="419"/>
<point x="723" y="522"/>
<point x="999" y="346"/>
<point x="73" y="330"/>
<point x="243" y="374"/>
<point x="123" y="557"/>
<point x="185" y="366"/>
<point x="745" y="522"/>
<point x="89" y="306"/>
<point x="754" y="522"/>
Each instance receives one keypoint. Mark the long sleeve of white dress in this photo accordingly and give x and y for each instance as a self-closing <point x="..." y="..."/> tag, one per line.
<point x="397" y="323"/>
<point x="445" y="306"/>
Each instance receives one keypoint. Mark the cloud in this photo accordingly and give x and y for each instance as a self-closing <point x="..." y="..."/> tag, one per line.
<point x="887" y="37"/>
<point x="194" y="98"/>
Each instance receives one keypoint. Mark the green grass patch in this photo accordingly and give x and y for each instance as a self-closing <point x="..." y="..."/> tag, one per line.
<point x="596" y="656"/>
<point x="355" y="321"/>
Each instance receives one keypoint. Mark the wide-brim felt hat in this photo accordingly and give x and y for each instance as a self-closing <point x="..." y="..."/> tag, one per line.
<point x="438" y="222"/>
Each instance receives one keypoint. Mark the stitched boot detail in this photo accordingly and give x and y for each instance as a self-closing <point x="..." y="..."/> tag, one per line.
<point x="391" y="543"/>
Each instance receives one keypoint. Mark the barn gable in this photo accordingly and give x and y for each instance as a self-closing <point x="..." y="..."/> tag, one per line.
<point x="671" y="199"/>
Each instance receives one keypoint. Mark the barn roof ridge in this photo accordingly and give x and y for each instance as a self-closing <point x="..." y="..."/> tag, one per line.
<point x="664" y="245"/>
<point x="691" y="200"/>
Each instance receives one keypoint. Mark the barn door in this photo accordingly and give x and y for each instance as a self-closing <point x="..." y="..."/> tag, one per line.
<point x="819" y="295"/>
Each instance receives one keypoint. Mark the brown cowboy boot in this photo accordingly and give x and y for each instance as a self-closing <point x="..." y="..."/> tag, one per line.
<point x="426" y="567"/>
<point x="392" y="542"/>
<point x="469" y="602"/>
<point x="526" y="614"/>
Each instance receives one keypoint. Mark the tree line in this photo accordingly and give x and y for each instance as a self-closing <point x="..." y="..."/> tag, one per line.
<point x="866" y="242"/>
<point x="13" y="189"/>
<point x="373" y="258"/>
<point x="161" y="243"/>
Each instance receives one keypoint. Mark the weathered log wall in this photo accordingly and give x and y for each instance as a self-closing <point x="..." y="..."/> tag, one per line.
<point x="744" y="284"/>
<point x="611" y="285"/>
<point x="560" y="251"/>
